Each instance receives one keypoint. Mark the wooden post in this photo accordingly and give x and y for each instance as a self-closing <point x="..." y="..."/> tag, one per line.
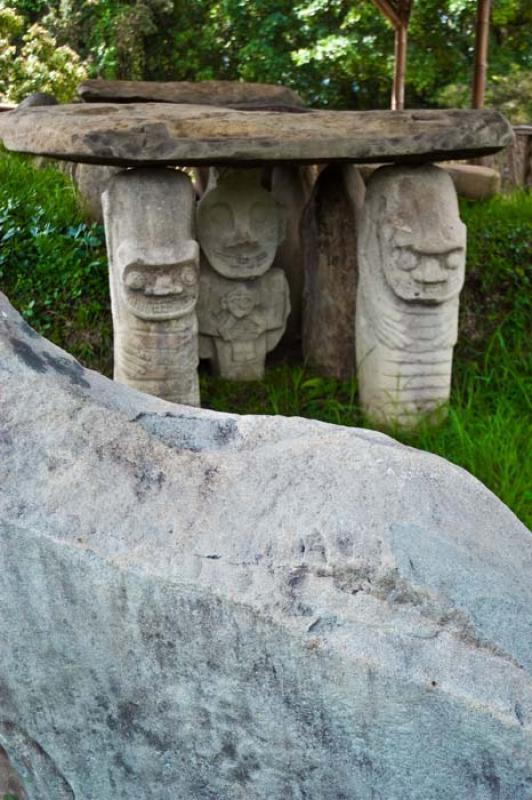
<point x="398" y="88"/>
<point x="481" y="52"/>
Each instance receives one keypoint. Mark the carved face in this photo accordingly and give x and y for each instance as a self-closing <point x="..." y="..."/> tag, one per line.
<point x="164" y="288"/>
<point x="423" y="267"/>
<point x="421" y="238"/>
<point x="239" y="228"/>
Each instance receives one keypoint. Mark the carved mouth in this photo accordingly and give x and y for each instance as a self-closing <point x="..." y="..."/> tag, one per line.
<point x="243" y="257"/>
<point x="159" y="308"/>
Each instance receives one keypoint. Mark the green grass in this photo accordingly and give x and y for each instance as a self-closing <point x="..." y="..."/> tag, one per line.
<point x="53" y="268"/>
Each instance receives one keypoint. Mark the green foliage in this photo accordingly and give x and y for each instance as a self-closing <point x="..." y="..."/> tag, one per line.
<point x="510" y="94"/>
<point x="336" y="53"/>
<point x="31" y="61"/>
<point x="51" y="262"/>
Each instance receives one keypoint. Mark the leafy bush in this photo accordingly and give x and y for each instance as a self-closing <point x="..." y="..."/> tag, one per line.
<point x="510" y="94"/>
<point x="51" y="262"/>
<point x="32" y="61"/>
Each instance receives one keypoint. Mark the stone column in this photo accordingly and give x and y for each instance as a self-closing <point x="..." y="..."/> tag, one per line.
<point x="411" y="271"/>
<point x="243" y="303"/>
<point x="330" y="227"/>
<point x="291" y="188"/>
<point x="154" y="278"/>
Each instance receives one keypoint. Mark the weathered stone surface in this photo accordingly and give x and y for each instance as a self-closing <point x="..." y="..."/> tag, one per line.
<point x="240" y="225"/>
<point x="243" y="303"/>
<point x="38" y="99"/>
<point x="240" y="321"/>
<point x="291" y="188"/>
<point x="515" y="163"/>
<point x="214" y="93"/>
<point x="474" y="181"/>
<point x="329" y="234"/>
<point x="200" y="605"/>
<point x="154" y="279"/>
<point x="91" y="181"/>
<point x="162" y="133"/>
<point x="9" y="780"/>
<point x="411" y="255"/>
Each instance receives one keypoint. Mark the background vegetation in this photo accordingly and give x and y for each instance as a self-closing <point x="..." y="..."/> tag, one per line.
<point x="336" y="53"/>
<point x="53" y="268"/>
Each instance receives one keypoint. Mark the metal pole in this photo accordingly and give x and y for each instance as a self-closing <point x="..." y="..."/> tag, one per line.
<point x="481" y="52"/>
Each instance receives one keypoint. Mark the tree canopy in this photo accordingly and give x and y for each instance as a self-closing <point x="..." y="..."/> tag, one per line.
<point x="335" y="53"/>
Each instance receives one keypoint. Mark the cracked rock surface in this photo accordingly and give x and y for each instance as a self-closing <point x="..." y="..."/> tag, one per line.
<point x="211" y="607"/>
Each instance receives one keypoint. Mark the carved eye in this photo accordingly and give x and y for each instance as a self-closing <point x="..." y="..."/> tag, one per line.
<point x="188" y="276"/>
<point x="454" y="260"/>
<point x="406" y="259"/>
<point x="135" y="281"/>
<point x="261" y="216"/>
<point x="221" y="217"/>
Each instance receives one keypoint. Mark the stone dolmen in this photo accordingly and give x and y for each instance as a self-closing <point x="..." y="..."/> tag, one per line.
<point x="203" y="606"/>
<point x="399" y="379"/>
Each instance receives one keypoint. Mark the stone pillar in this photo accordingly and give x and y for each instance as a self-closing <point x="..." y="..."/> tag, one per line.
<point x="291" y="187"/>
<point x="330" y="227"/>
<point x="154" y="278"/>
<point x="411" y="271"/>
<point x="243" y="304"/>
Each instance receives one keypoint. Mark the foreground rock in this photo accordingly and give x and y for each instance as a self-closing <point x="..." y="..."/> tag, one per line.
<point x="163" y="133"/>
<point x="199" y="605"/>
<point x="214" y="93"/>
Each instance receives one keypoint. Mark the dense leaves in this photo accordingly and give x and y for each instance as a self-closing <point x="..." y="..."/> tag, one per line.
<point x="336" y="53"/>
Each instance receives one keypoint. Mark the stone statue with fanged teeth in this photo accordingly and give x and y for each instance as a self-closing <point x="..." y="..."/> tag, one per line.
<point x="154" y="277"/>
<point x="243" y="304"/>
<point x="411" y="253"/>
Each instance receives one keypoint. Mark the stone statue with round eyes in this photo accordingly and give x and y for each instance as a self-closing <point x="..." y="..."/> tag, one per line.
<point x="244" y="303"/>
<point x="154" y="278"/>
<point x="411" y="253"/>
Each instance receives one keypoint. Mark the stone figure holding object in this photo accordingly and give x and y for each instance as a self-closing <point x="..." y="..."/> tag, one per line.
<point x="154" y="278"/>
<point x="243" y="304"/>
<point x="412" y="265"/>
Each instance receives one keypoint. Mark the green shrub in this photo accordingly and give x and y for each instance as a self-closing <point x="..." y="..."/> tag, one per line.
<point x="32" y="61"/>
<point x="52" y="264"/>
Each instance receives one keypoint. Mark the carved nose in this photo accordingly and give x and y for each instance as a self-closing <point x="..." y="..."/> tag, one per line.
<point x="243" y="235"/>
<point x="431" y="271"/>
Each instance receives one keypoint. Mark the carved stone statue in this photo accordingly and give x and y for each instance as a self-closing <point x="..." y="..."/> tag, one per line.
<point x="243" y="305"/>
<point x="411" y="262"/>
<point x="154" y="277"/>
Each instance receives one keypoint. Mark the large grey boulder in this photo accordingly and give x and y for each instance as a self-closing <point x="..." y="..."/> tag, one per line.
<point x="211" y="607"/>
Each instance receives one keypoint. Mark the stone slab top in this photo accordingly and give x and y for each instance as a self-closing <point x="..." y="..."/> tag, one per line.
<point x="230" y="94"/>
<point x="167" y="134"/>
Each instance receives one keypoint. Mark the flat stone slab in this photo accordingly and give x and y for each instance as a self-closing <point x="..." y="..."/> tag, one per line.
<point x="214" y="93"/>
<point x="164" y="133"/>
